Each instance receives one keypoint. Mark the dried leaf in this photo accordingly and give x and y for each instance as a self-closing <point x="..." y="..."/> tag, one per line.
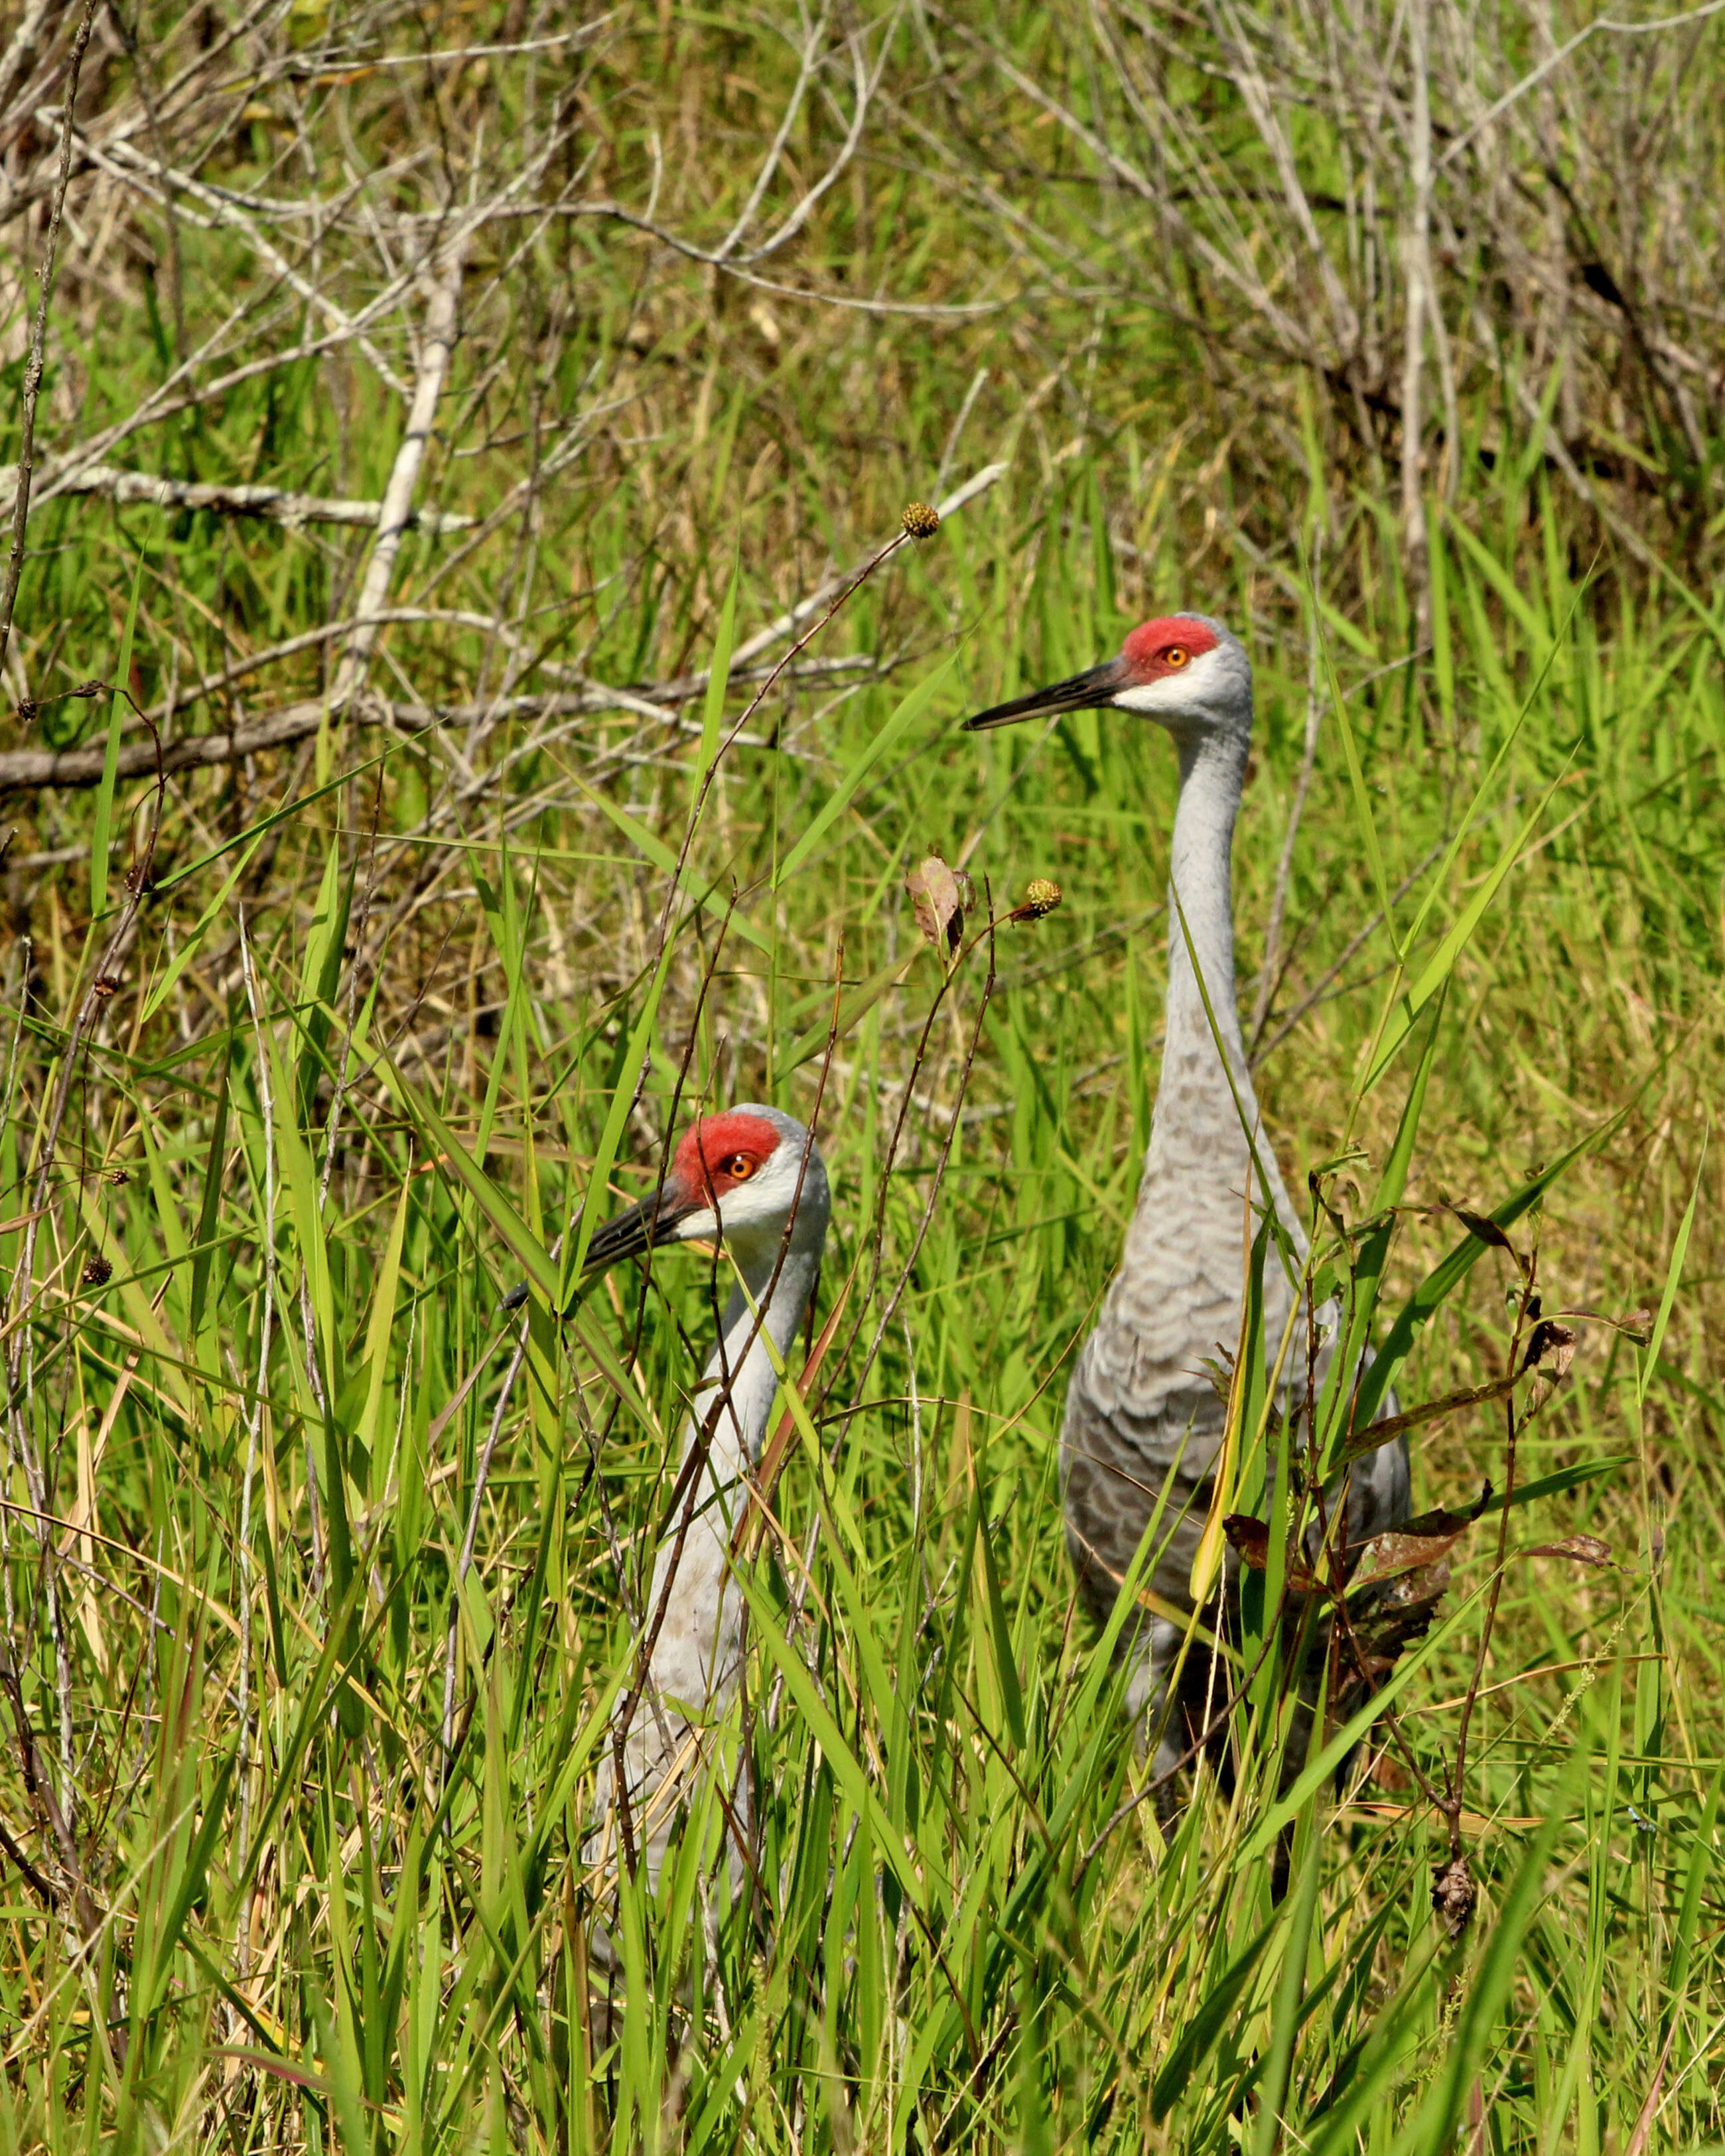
<point x="1453" y="1895"/>
<point x="1380" y="1433"/>
<point x="1584" y="1549"/>
<point x="943" y="896"/>
<point x="1438" y="1522"/>
<point x="1486" y="1230"/>
<point x="1637" y="1324"/>
<point x="1422" y="1543"/>
<point x="1387" y="1556"/>
<point x="1250" y="1539"/>
<point x="1553" y="1341"/>
<point x="1399" y="1614"/>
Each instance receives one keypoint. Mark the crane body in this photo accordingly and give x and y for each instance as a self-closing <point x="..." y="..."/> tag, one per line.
<point x="752" y="1179"/>
<point x="1143" y="1421"/>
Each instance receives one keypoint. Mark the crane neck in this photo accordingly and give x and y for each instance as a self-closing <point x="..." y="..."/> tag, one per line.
<point x="741" y="1428"/>
<point x="1201" y="917"/>
<point x="1200" y="1161"/>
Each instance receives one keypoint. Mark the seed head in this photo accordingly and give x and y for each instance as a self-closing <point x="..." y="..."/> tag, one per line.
<point x="1041" y="897"/>
<point x="1453" y="1895"/>
<point x="97" y="1272"/>
<point x="920" y="520"/>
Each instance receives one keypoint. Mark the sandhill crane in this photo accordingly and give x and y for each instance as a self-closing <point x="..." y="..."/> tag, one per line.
<point x="752" y="1179"/>
<point x="1141" y="1414"/>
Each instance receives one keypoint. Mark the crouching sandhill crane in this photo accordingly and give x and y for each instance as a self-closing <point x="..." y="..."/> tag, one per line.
<point x="1140" y="1412"/>
<point x="753" y="1180"/>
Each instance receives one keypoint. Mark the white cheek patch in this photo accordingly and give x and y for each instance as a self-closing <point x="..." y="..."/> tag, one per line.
<point x="1174" y="692"/>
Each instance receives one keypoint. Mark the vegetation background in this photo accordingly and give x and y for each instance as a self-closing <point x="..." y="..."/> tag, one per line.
<point x="442" y="417"/>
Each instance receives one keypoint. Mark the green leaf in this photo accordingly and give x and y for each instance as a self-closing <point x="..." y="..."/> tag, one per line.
<point x="1006" y="1667"/>
<point x="1202" y="2033"/>
<point x="718" y="680"/>
<point x="847" y="1769"/>
<point x="1674" y="1274"/>
<point x="1444" y="1277"/>
<point x="1439" y="967"/>
<point x="103" y="830"/>
<point x="890" y="736"/>
<point x="217" y="909"/>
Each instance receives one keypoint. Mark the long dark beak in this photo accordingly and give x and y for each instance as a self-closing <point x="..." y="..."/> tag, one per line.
<point x="1092" y="690"/>
<point x="641" y="1227"/>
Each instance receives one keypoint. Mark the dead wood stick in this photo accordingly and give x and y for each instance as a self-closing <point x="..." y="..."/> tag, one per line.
<point x="437" y="345"/>
<point x="33" y="369"/>
<point x="21" y="48"/>
<point x="27" y="768"/>
<point x="278" y="504"/>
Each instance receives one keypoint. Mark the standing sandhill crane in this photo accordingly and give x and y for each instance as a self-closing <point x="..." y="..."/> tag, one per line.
<point x="1140" y="1412"/>
<point x="753" y="1180"/>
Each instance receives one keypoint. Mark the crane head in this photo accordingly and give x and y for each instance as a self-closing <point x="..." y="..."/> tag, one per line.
<point x="1181" y="669"/>
<point x="739" y="1177"/>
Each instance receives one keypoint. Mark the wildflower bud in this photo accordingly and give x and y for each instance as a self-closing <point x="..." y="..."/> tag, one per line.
<point x="97" y="1272"/>
<point x="1041" y="897"/>
<point x="920" y="520"/>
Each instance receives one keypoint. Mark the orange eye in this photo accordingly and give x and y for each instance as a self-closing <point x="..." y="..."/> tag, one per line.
<point x="739" y="1167"/>
<point x="1177" y="654"/>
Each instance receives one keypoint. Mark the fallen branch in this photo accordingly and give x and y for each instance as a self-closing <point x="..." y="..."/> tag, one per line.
<point x="276" y="503"/>
<point x="27" y="768"/>
<point x="33" y="365"/>
<point x="437" y="343"/>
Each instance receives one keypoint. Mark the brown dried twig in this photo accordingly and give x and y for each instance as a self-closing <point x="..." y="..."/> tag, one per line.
<point x="274" y="505"/>
<point x="32" y="367"/>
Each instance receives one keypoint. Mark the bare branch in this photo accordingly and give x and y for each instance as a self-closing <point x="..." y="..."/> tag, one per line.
<point x="32" y="370"/>
<point x="277" y="505"/>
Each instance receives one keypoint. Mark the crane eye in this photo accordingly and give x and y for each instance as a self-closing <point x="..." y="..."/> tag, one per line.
<point x="739" y="1167"/>
<point x="1177" y="654"/>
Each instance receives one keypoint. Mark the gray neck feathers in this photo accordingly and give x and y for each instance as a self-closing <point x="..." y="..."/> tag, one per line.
<point x="741" y="1428"/>
<point x="1199" y="1165"/>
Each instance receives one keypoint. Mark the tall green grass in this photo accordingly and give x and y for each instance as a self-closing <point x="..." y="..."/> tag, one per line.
<point x="310" y="1926"/>
<point x="369" y="1053"/>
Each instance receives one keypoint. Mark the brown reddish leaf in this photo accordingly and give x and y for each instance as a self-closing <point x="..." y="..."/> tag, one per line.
<point x="1422" y="1543"/>
<point x="1380" y="1432"/>
<point x="1399" y="1613"/>
<point x="1553" y="1341"/>
<point x="1251" y="1538"/>
<point x="1584" y="1549"/>
<point x="1438" y="1522"/>
<point x="943" y="896"/>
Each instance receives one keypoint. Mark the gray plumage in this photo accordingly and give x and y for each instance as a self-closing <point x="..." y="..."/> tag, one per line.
<point x="773" y="1224"/>
<point x="1142" y="1414"/>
